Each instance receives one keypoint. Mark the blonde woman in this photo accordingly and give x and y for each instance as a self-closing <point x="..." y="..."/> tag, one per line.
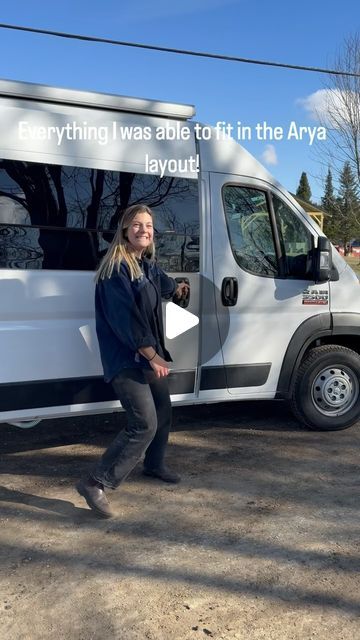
<point x="129" y="326"/>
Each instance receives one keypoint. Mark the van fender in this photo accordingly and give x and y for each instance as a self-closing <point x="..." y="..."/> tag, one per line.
<point x="311" y="329"/>
<point x="346" y="324"/>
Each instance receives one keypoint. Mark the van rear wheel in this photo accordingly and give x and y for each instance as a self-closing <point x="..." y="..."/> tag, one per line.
<point x="326" y="393"/>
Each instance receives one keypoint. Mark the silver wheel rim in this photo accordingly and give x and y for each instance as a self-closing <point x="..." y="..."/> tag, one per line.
<point x="335" y="390"/>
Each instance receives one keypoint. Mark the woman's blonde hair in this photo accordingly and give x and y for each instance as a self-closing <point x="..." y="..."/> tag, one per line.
<point x="119" y="247"/>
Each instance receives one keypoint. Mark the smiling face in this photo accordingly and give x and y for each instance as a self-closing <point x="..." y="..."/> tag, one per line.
<point x="140" y="232"/>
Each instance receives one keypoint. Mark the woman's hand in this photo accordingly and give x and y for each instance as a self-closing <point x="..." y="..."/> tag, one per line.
<point x="182" y="290"/>
<point x="160" y="367"/>
<point x="158" y="364"/>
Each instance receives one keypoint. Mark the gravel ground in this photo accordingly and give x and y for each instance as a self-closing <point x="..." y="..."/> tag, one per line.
<point x="260" y="539"/>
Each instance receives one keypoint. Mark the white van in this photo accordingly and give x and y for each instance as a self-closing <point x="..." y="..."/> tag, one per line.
<point x="279" y="309"/>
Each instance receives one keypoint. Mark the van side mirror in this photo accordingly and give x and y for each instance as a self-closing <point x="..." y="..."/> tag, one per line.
<point x="322" y="260"/>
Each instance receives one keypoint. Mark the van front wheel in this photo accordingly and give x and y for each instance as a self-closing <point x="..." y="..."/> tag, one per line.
<point x="326" y="392"/>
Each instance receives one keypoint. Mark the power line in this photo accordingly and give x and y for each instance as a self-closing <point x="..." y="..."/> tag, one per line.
<point x="186" y="52"/>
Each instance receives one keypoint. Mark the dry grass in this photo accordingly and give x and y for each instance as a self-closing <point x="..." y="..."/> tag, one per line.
<point x="354" y="262"/>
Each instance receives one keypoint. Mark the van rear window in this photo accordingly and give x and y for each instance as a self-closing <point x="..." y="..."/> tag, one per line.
<point x="62" y="217"/>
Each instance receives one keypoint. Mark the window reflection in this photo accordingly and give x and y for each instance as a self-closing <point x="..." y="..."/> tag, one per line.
<point x="250" y="230"/>
<point x="295" y="239"/>
<point x="59" y="217"/>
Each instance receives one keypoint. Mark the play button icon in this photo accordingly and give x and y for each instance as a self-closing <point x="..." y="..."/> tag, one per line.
<point x="178" y="320"/>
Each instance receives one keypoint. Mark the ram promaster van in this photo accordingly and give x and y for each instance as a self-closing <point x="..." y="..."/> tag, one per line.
<point x="278" y="308"/>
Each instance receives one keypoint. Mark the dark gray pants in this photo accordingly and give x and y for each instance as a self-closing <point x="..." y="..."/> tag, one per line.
<point x="146" y="401"/>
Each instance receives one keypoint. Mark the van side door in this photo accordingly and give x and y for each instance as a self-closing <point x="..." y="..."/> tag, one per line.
<point x="262" y="252"/>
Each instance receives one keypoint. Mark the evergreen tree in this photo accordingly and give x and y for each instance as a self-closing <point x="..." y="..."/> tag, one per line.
<point x="328" y="199"/>
<point x="329" y="205"/>
<point x="303" y="191"/>
<point x="348" y="217"/>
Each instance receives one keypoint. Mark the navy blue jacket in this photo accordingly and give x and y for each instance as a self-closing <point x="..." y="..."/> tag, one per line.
<point x="126" y="320"/>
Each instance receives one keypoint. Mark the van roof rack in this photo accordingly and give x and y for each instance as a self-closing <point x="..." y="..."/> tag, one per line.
<point x="45" y="93"/>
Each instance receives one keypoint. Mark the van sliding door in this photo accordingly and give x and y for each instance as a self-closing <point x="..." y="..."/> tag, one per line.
<point x="56" y="223"/>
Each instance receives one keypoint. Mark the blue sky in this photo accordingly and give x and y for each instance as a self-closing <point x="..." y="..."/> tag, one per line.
<point x="308" y="33"/>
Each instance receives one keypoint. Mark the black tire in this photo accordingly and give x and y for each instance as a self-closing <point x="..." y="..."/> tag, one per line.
<point x="326" y="391"/>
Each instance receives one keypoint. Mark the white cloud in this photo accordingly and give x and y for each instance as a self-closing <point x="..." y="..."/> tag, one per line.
<point x="269" y="155"/>
<point x="324" y="102"/>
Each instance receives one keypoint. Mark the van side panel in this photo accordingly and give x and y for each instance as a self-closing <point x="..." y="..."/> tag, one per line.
<point x="50" y="364"/>
<point x="63" y="134"/>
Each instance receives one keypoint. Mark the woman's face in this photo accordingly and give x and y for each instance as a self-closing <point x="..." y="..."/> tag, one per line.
<point x="140" y="232"/>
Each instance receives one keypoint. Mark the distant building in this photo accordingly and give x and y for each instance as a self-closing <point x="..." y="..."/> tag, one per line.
<point x="315" y="212"/>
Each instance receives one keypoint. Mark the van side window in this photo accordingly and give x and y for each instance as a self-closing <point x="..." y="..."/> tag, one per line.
<point x="295" y="240"/>
<point x="62" y="217"/>
<point x="249" y="227"/>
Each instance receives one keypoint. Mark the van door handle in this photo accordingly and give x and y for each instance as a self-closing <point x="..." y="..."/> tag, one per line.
<point x="229" y="292"/>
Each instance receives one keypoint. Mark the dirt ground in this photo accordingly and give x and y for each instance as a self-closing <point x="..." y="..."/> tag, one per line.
<point x="259" y="541"/>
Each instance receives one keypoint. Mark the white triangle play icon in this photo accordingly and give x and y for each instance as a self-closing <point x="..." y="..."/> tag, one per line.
<point x="178" y="320"/>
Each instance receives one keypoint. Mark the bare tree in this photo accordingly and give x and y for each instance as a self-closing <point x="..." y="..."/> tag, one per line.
<point x="341" y="115"/>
